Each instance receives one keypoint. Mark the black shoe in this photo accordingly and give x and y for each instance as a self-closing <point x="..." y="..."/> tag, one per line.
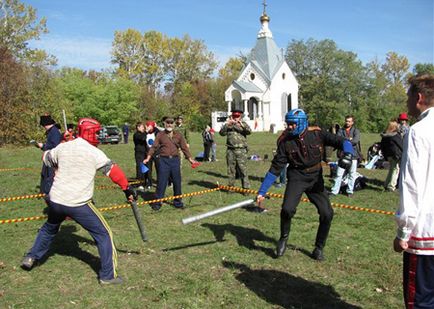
<point x="318" y="255"/>
<point x="179" y="206"/>
<point x="155" y="207"/>
<point x="281" y="246"/>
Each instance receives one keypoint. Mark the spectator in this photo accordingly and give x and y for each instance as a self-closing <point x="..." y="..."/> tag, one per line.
<point x="214" y="146"/>
<point x="181" y="128"/>
<point x="415" y="215"/>
<point x="140" y="150"/>
<point x="168" y="142"/>
<point x="69" y="135"/>
<point x="76" y="163"/>
<point x="236" y="131"/>
<point x="207" y="143"/>
<point x="391" y="148"/>
<point x="403" y="124"/>
<point x="353" y="135"/>
<point x="151" y="133"/>
<point x="125" y="132"/>
<point x="54" y="137"/>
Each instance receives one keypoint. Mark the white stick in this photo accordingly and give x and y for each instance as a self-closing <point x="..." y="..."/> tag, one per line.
<point x="64" y="120"/>
<point x="216" y="211"/>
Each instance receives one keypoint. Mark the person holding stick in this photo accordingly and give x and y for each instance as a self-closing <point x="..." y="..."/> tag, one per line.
<point x="76" y="163"/>
<point x="54" y="137"/>
<point x="302" y="147"/>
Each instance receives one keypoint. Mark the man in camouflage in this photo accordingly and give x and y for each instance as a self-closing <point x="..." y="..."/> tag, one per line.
<point x="181" y="128"/>
<point x="236" y="131"/>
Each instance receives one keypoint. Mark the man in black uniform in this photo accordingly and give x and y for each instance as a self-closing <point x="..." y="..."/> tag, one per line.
<point x="302" y="148"/>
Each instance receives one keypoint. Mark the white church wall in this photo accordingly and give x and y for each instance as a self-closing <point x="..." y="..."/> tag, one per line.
<point x="282" y="85"/>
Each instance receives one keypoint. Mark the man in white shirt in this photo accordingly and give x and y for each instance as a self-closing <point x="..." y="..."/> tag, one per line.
<point x="415" y="216"/>
<point x="75" y="164"/>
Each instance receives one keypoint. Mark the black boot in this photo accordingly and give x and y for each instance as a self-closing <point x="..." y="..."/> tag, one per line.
<point x="285" y="227"/>
<point x="281" y="246"/>
<point x="317" y="254"/>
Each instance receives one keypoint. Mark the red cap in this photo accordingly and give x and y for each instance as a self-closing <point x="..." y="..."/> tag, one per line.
<point x="403" y="116"/>
<point x="150" y="123"/>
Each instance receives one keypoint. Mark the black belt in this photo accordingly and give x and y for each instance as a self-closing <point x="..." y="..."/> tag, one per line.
<point x="169" y="157"/>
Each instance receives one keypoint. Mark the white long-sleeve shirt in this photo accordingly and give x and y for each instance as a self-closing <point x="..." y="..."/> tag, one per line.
<point x="415" y="216"/>
<point x="76" y="163"/>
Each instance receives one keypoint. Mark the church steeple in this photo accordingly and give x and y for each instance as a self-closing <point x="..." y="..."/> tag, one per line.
<point x="265" y="19"/>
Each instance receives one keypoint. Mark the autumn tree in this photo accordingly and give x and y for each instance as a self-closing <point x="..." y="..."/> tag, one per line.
<point x="15" y="126"/>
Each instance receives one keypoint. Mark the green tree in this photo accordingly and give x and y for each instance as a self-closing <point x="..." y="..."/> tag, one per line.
<point x="386" y="86"/>
<point x="18" y="25"/>
<point x="111" y="100"/>
<point x="331" y="80"/>
<point x="423" y="68"/>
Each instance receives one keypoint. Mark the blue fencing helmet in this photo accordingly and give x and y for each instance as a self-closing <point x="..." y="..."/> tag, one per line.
<point x="299" y="117"/>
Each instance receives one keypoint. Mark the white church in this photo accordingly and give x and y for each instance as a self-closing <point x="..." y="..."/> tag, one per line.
<point x="266" y="88"/>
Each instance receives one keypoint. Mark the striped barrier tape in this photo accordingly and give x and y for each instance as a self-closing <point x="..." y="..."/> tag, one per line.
<point x="228" y="188"/>
<point x="16" y="169"/>
<point x="39" y="195"/>
<point x="116" y="207"/>
<point x="241" y="190"/>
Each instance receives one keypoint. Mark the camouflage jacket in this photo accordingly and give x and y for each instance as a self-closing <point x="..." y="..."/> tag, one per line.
<point x="184" y="131"/>
<point x="236" y="134"/>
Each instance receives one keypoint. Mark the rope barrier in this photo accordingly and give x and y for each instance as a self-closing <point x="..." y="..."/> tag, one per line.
<point x="228" y="188"/>
<point x="383" y="212"/>
<point x="39" y="195"/>
<point x="116" y="207"/>
<point x="16" y="169"/>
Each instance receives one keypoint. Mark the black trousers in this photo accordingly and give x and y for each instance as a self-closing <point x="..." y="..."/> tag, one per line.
<point x="206" y="151"/>
<point x="139" y="156"/>
<point x="313" y="185"/>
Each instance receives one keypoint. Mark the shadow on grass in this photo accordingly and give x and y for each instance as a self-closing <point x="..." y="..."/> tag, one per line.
<point x="204" y="243"/>
<point x="282" y="289"/>
<point x="67" y="243"/>
<point x="245" y="236"/>
<point x="203" y="183"/>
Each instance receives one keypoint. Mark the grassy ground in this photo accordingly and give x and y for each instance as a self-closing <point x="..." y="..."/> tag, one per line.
<point x="226" y="261"/>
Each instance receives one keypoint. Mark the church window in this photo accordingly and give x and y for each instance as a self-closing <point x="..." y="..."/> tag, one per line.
<point x="252" y="76"/>
<point x="283" y="75"/>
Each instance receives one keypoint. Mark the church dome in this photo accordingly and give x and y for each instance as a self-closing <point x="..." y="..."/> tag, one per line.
<point x="264" y="17"/>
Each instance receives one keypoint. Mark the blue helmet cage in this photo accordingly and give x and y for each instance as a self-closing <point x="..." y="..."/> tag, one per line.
<point x="299" y="117"/>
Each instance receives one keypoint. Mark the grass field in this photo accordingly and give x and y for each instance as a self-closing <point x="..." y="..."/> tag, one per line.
<point x="226" y="261"/>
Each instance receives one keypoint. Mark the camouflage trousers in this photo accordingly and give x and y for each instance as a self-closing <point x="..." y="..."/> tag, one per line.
<point x="236" y="160"/>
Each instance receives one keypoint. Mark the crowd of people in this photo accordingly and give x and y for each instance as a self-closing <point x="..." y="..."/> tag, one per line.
<point x="300" y="151"/>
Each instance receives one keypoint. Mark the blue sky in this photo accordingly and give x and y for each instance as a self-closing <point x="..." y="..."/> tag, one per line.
<point x="81" y="32"/>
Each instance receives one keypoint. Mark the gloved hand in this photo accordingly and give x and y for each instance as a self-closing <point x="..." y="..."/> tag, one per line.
<point x="346" y="161"/>
<point x="130" y="194"/>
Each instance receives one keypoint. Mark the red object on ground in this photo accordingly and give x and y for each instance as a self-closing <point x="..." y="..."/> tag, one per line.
<point x="195" y="164"/>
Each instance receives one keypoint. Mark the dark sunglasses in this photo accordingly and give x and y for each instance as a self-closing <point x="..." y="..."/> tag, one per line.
<point x="169" y="122"/>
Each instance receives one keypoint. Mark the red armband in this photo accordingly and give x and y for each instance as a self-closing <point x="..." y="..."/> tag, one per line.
<point x="118" y="177"/>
